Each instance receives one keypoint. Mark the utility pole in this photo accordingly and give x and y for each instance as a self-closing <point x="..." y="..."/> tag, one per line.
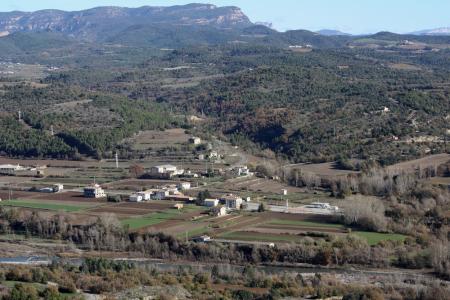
<point x="20" y="115"/>
<point x="117" y="160"/>
<point x="52" y="132"/>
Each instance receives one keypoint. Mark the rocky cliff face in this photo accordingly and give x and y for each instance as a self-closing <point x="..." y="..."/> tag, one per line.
<point x="93" y="23"/>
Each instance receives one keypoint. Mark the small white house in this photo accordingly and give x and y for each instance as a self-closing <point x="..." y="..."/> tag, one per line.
<point x="165" y="171"/>
<point x="183" y="186"/>
<point x="231" y="201"/>
<point x="195" y="140"/>
<point x="94" y="191"/>
<point x="146" y="195"/>
<point x="10" y="169"/>
<point x="242" y="171"/>
<point x="136" y="198"/>
<point x="218" y="211"/>
<point x="213" y="154"/>
<point x="211" y="202"/>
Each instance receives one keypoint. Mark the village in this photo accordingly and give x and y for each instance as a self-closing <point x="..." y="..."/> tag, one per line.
<point x="216" y="193"/>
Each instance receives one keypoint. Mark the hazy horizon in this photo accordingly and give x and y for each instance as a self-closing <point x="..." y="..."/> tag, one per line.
<point x="350" y="16"/>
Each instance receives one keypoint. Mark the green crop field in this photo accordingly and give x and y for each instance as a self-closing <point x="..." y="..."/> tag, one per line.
<point x="159" y="217"/>
<point x="44" y="205"/>
<point x="151" y="219"/>
<point x="374" y="238"/>
<point x="304" y="224"/>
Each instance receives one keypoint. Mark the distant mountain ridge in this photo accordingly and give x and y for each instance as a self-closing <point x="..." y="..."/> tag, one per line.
<point x="165" y="27"/>
<point x="93" y="24"/>
<point x="436" y="31"/>
<point x="332" y="32"/>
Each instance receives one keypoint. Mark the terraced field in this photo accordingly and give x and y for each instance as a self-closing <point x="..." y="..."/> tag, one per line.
<point x="287" y="228"/>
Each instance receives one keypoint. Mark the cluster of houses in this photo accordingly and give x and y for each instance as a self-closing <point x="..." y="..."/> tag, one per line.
<point x="170" y="192"/>
<point x="171" y="171"/>
<point x="225" y="203"/>
<point x="218" y="206"/>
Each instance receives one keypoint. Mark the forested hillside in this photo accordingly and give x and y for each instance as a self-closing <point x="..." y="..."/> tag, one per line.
<point x="304" y="96"/>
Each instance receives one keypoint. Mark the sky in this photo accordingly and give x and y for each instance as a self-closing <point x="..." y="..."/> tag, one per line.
<point x="352" y="16"/>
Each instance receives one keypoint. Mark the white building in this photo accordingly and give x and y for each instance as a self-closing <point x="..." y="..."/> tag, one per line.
<point x="218" y="211"/>
<point x="146" y="195"/>
<point x="165" y="171"/>
<point x="136" y="198"/>
<point x="10" y="169"/>
<point x="242" y="171"/>
<point x="213" y="154"/>
<point x="231" y="201"/>
<point x="94" y="191"/>
<point x="211" y="202"/>
<point x="183" y="186"/>
<point x="195" y="140"/>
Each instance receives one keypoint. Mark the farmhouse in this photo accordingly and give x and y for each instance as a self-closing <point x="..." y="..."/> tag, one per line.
<point x="136" y="198"/>
<point x="195" y="140"/>
<point x="218" y="211"/>
<point x="231" y="201"/>
<point x="211" y="202"/>
<point x="94" y="191"/>
<point x="10" y="169"/>
<point x="241" y="171"/>
<point x="165" y="171"/>
<point x="213" y="154"/>
<point x="183" y="186"/>
<point x="146" y="195"/>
